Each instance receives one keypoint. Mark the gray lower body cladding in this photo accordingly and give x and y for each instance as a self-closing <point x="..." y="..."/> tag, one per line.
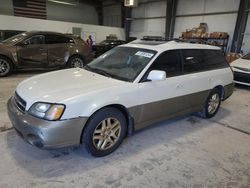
<point x="149" y="113"/>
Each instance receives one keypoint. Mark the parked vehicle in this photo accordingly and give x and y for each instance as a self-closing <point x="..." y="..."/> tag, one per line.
<point x="31" y="50"/>
<point x="241" y="68"/>
<point x="125" y="89"/>
<point x="106" y="45"/>
<point x="5" y="34"/>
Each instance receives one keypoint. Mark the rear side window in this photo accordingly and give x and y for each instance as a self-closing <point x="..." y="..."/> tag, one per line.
<point x="169" y="62"/>
<point x="202" y="60"/>
<point x="214" y="59"/>
<point x="58" y="39"/>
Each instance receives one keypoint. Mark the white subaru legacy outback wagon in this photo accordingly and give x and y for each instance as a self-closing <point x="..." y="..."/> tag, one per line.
<point x="123" y="90"/>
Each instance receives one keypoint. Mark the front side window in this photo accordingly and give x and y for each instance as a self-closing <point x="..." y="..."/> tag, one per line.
<point x="123" y="63"/>
<point x="37" y="39"/>
<point x="169" y="62"/>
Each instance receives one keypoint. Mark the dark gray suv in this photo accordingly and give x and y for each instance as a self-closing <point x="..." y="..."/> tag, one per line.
<point x="35" y="49"/>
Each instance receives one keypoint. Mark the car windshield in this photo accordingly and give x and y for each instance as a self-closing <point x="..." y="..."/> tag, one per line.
<point x="105" y="42"/>
<point x="247" y="56"/>
<point x="15" y="38"/>
<point x="123" y="63"/>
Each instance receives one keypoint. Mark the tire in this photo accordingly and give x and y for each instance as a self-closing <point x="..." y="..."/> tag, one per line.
<point x="212" y="104"/>
<point x="76" y="62"/>
<point x="6" y="66"/>
<point x="104" y="132"/>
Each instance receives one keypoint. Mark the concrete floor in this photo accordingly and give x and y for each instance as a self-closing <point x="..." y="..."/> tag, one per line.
<point x="183" y="152"/>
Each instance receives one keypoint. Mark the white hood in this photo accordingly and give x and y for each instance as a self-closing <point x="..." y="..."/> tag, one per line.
<point x="241" y="65"/>
<point x="60" y="86"/>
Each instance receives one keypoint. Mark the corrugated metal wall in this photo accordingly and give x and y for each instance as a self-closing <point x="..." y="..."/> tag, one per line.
<point x="224" y="22"/>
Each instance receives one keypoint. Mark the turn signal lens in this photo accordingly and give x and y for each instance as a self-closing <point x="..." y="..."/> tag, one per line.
<point x="55" y="112"/>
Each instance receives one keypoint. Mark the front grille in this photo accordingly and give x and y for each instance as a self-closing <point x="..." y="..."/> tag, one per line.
<point x="21" y="104"/>
<point x="241" y="77"/>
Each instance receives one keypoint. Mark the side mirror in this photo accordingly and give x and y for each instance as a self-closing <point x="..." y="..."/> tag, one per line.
<point x="156" y="75"/>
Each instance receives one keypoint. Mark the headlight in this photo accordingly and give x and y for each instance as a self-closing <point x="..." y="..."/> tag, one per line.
<point x="47" y="111"/>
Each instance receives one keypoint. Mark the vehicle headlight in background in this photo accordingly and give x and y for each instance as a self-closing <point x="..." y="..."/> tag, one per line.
<point x="47" y="111"/>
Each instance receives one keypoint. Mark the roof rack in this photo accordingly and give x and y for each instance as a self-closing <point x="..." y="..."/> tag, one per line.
<point x="153" y="38"/>
<point x="159" y="38"/>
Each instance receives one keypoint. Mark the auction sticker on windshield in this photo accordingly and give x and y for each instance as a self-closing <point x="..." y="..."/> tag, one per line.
<point x="144" y="54"/>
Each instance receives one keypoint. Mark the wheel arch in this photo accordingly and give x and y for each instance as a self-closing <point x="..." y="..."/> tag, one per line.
<point x="123" y="110"/>
<point x="12" y="62"/>
<point x="75" y="55"/>
<point x="222" y="91"/>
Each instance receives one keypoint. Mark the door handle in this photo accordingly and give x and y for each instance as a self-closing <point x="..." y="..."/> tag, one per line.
<point x="41" y="49"/>
<point x="178" y="86"/>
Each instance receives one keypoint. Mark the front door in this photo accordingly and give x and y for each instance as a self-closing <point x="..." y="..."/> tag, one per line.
<point x="33" y="52"/>
<point x="161" y="99"/>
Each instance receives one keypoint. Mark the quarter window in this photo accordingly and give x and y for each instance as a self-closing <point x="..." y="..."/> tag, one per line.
<point x="57" y="39"/>
<point x="214" y="59"/>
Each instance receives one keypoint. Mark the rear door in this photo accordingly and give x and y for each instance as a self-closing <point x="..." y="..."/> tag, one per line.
<point x="196" y="77"/>
<point x="58" y="49"/>
<point x="33" y="52"/>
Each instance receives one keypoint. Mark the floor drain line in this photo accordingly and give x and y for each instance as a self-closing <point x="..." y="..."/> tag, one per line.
<point x="6" y="129"/>
<point x="234" y="128"/>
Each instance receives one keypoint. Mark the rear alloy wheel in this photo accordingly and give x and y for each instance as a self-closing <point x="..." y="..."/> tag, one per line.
<point x="5" y="66"/>
<point x="104" y="132"/>
<point x="76" y="62"/>
<point x="212" y="104"/>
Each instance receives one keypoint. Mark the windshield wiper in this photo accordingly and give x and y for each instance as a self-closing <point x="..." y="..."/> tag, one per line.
<point x="99" y="71"/>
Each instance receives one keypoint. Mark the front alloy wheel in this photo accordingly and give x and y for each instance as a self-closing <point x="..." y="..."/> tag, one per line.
<point x="104" y="131"/>
<point x="106" y="134"/>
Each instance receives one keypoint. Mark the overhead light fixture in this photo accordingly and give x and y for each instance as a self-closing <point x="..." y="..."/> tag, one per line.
<point x="73" y="3"/>
<point x="131" y="3"/>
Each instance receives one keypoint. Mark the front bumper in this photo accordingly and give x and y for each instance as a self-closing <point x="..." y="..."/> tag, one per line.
<point x="43" y="133"/>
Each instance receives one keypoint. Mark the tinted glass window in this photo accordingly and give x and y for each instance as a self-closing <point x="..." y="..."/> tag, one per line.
<point x="214" y="59"/>
<point x="169" y="62"/>
<point x="37" y="39"/>
<point x="202" y="60"/>
<point x="57" y="39"/>
<point x="247" y="56"/>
